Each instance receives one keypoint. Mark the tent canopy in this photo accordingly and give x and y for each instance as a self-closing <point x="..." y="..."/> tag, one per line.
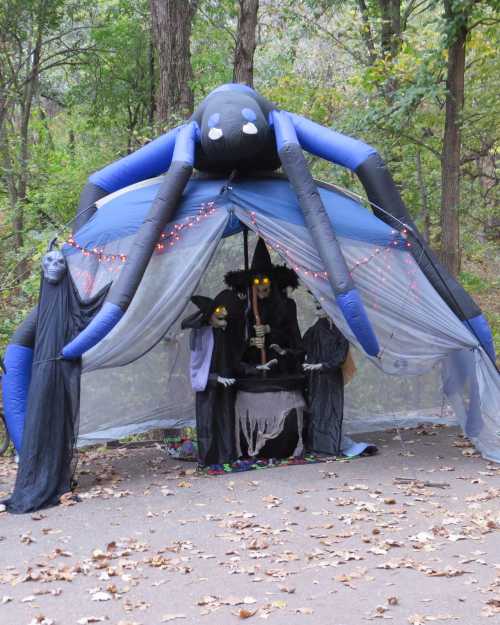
<point x="145" y="356"/>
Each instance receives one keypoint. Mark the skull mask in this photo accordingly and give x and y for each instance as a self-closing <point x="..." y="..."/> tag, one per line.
<point x="263" y="286"/>
<point x="218" y="318"/>
<point x="53" y="266"/>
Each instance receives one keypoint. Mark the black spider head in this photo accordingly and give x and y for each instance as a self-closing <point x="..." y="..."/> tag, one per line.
<point x="234" y="128"/>
<point x="231" y="125"/>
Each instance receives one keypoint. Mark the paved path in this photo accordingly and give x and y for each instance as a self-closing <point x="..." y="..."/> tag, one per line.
<point x="325" y="544"/>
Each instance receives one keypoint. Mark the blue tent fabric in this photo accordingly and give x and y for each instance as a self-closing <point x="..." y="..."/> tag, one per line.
<point x="123" y="215"/>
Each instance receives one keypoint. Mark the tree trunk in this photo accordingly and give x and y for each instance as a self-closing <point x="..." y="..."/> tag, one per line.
<point x="246" y="42"/>
<point x="423" y="199"/>
<point x="366" y="32"/>
<point x="171" y="24"/>
<point x="450" y="156"/>
<point x="390" y="39"/>
<point x="151" y="69"/>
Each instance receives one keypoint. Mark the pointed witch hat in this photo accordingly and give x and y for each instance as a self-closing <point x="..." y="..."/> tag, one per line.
<point x="262" y="265"/>
<point x="201" y="317"/>
<point x="261" y="261"/>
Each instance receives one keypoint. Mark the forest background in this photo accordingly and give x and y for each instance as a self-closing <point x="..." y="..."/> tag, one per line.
<point x="83" y="82"/>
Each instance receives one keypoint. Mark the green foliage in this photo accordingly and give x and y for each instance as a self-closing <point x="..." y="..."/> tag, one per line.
<point x="213" y="42"/>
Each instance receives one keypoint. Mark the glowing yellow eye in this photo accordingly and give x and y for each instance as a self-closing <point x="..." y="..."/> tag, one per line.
<point x="266" y="281"/>
<point x="219" y="310"/>
<point x="256" y="281"/>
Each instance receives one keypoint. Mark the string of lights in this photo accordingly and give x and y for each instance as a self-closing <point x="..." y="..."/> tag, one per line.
<point x="297" y="267"/>
<point x="167" y="239"/>
<point x="284" y="251"/>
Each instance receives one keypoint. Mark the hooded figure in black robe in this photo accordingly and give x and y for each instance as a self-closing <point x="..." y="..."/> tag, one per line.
<point x="214" y="347"/>
<point x="326" y="351"/>
<point x="46" y="461"/>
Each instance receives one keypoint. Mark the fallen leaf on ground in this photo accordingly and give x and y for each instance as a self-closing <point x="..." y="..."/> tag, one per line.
<point x="279" y="603"/>
<point x="207" y="599"/>
<point x="172" y="617"/>
<point x="421" y="619"/>
<point x="101" y="596"/>
<point x="68" y="499"/>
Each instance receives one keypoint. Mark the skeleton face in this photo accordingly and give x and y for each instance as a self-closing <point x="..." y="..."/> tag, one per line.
<point x="53" y="266"/>
<point x="263" y="285"/>
<point x="218" y="318"/>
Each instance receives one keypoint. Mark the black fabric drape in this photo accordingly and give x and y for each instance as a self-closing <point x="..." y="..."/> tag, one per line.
<point x="215" y="424"/>
<point x="325" y="344"/>
<point x="46" y="459"/>
<point x="215" y="421"/>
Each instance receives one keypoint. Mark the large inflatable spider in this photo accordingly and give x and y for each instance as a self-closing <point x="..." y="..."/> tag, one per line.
<point x="235" y="129"/>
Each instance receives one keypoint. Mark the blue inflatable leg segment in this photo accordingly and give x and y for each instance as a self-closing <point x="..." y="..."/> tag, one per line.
<point x="322" y="232"/>
<point x="330" y="145"/>
<point x="15" y="386"/>
<point x="161" y="212"/>
<point x="483" y="332"/>
<point x="355" y="314"/>
<point x="151" y="160"/>
<point x="102" y="324"/>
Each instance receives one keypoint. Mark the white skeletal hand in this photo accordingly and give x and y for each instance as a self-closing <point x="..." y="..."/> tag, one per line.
<point x="268" y="365"/>
<point x="279" y="350"/>
<point x="309" y="366"/>
<point x="257" y="341"/>
<point x="226" y="381"/>
<point x="261" y="330"/>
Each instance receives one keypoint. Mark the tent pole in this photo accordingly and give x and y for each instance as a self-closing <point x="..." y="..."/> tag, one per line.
<point x="245" y="246"/>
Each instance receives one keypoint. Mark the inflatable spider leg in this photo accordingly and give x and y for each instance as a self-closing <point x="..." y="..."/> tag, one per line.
<point x="151" y="160"/>
<point x="387" y="204"/>
<point x="322" y="232"/>
<point x="18" y="360"/>
<point x="161" y="212"/>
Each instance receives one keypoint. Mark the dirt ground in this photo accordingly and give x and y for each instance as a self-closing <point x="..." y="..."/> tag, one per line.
<point x="338" y="543"/>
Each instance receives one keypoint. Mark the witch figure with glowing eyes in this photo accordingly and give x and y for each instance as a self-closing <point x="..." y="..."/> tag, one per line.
<point x="212" y="371"/>
<point x="273" y="337"/>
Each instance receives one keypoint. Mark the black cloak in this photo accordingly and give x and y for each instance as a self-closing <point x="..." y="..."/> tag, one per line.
<point x="324" y="343"/>
<point x="280" y="314"/>
<point x="46" y="464"/>
<point x="215" y="420"/>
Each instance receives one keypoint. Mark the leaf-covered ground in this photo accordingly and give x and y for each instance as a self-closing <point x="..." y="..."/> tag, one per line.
<point x="410" y="536"/>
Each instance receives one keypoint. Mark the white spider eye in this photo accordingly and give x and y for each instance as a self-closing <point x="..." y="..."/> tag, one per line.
<point x="215" y="133"/>
<point x="250" y="129"/>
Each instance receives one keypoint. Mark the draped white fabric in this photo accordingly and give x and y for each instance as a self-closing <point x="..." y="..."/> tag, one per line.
<point x="416" y="330"/>
<point x="164" y="292"/>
